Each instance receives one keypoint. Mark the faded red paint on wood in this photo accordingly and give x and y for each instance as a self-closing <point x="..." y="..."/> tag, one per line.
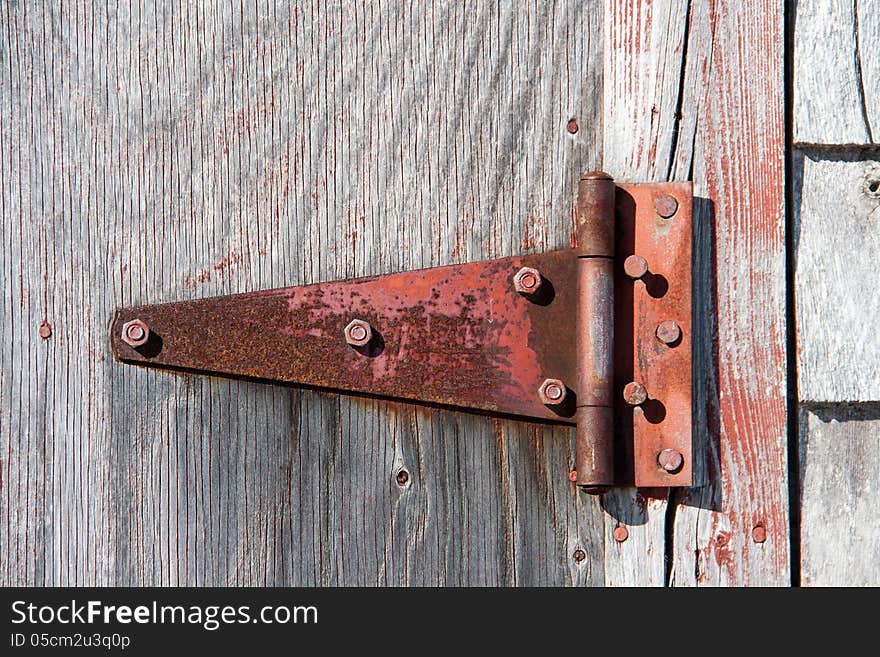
<point x="694" y="91"/>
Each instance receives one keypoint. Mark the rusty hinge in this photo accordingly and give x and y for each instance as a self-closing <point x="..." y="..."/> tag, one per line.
<point x="598" y="336"/>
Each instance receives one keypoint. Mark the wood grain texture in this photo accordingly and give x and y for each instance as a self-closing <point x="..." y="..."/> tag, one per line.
<point x="837" y="71"/>
<point x="840" y="526"/>
<point x="837" y="242"/>
<point x="153" y="152"/>
<point x="693" y="91"/>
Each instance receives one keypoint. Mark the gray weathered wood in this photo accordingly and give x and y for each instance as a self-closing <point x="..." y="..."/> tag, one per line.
<point x="682" y="102"/>
<point x="840" y="477"/>
<point x="837" y="71"/>
<point x="837" y="243"/>
<point x="159" y="151"/>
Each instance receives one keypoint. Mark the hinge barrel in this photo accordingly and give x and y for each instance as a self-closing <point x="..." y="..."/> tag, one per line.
<point x="594" y="455"/>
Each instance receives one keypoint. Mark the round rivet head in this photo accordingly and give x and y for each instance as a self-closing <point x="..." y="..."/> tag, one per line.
<point x="668" y="332"/>
<point x="572" y="126"/>
<point x="358" y="333"/>
<point x="666" y="205"/>
<point x="135" y="333"/>
<point x="670" y="460"/>
<point x="620" y="533"/>
<point x="635" y="267"/>
<point x="634" y="393"/>
<point x="552" y="392"/>
<point x="759" y="534"/>
<point x="527" y="280"/>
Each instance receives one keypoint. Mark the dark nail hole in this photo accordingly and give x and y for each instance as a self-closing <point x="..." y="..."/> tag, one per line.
<point x="402" y="478"/>
<point x="579" y="555"/>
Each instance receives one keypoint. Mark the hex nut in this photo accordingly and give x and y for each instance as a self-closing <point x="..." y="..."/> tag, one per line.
<point x="358" y="333"/>
<point x="635" y="267"/>
<point x="527" y="280"/>
<point x="552" y="392"/>
<point x="634" y="393"/>
<point x="135" y="333"/>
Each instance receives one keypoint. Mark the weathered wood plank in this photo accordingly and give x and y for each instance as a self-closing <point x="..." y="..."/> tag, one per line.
<point x="837" y="71"/>
<point x="837" y="240"/>
<point x="694" y="91"/>
<point x="154" y="151"/>
<point x="840" y="526"/>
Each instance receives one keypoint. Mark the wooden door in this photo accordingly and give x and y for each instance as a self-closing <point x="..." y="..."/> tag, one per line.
<point x="155" y="151"/>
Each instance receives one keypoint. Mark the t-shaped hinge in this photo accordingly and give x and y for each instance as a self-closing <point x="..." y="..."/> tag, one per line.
<point x="598" y="336"/>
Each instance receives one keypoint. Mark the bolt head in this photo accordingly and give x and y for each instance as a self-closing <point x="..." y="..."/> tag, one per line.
<point x="620" y="534"/>
<point x="759" y="534"/>
<point x="135" y="333"/>
<point x="668" y="332"/>
<point x="666" y="205"/>
<point x="670" y="460"/>
<point x="552" y="392"/>
<point x="635" y="267"/>
<point x="358" y="333"/>
<point x="634" y="393"/>
<point x="527" y="280"/>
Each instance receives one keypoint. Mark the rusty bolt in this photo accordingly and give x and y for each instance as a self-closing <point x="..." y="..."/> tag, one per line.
<point x="45" y="330"/>
<point x="666" y="205"/>
<point x="573" y="476"/>
<point x="670" y="460"/>
<point x="402" y="478"/>
<point x="358" y="333"/>
<point x="135" y="333"/>
<point x="635" y="266"/>
<point x="620" y="533"/>
<point x="527" y="280"/>
<point x="634" y="393"/>
<point x="552" y="392"/>
<point x="572" y="125"/>
<point x="579" y="555"/>
<point x="759" y="534"/>
<point x="668" y="332"/>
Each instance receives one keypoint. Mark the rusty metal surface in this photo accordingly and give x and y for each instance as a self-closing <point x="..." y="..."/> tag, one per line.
<point x="480" y="337"/>
<point x="650" y="310"/>
<point x="595" y="246"/>
<point x="457" y="336"/>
